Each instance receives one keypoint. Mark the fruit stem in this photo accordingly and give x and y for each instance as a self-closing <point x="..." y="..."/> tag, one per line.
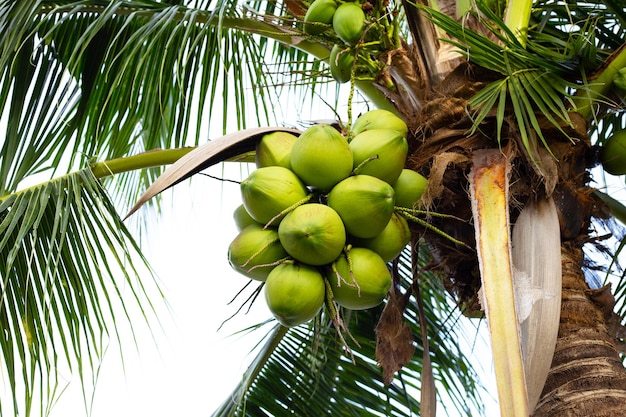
<point x="258" y="252"/>
<point x="435" y="229"/>
<point x="276" y="263"/>
<point x="415" y="212"/>
<point x="360" y="166"/>
<point x="288" y="209"/>
<point x="338" y="322"/>
<point x="347" y="250"/>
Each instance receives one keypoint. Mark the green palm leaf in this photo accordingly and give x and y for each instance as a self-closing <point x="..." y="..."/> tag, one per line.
<point x="531" y="80"/>
<point x="142" y="73"/>
<point x="68" y="275"/>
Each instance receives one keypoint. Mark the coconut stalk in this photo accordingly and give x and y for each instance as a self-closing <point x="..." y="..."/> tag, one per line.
<point x="600" y="84"/>
<point x="490" y="209"/>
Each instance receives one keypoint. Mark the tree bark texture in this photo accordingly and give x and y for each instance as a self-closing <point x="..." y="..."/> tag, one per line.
<point x="587" y="377"/>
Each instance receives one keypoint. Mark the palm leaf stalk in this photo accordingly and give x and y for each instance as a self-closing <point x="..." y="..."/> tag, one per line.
<point x="516" y="18"/>
<point x="597" y="87"/>
<point x="489" y="192"/>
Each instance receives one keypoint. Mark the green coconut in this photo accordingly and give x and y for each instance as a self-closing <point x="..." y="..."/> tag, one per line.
<point x="378" y="119"/>
<point x="613" y="153"/>
<point x="388" y="147"/>
<point x="349" y="22"/>
<point x="274" y="149"/>
<point x="256" y="246"/>
<point x="390" y="242"/>
<point x="242" y="218"/>
<point x="319" y="16"/>
<point x="364" y="203"/>
<point x="270" y="190"/>
<point x="294" y="293"/>
<point x="341" y="61"/>
<point x="409" y="188"/>
<point x="362" y="286"/>
<point x="313" y="234"/>
<point x="321" y="156"/>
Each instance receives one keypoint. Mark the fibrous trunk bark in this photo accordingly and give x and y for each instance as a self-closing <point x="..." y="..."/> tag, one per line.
<point x="587" y="377"/>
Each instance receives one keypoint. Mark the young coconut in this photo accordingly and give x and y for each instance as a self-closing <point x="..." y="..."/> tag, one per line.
<point x="364" y="203"/>
<point x="613" y="153"/>
<point x="388" y="147"/>
<point x="379" y="119"/>
<point x="313" y="234"/>
<point x="362" y="286"/>
<point x="319" y="16"/>
<point x="321" y="157"/>
<point x="349" y="22"/>
<point x="390" y="242"/>
<point x="268" y="191"/>
<point x="409" y="188"/>
<point x="341" y="61"/>
<point x="255" y="246"/>
<point x="274" y="149"/>
<point x="242" y="218"/>
<point x="294" y="293"/>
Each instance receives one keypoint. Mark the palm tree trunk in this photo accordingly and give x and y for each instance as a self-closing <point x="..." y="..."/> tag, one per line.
<point x="587" y="377"/>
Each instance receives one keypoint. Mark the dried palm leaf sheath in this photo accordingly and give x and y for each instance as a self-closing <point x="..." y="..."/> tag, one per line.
<point x="536" y="254"/>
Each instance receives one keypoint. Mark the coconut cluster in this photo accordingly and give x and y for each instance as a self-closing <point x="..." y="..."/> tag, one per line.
<point x="348" y="22"/>
<point x="319" y="216"/>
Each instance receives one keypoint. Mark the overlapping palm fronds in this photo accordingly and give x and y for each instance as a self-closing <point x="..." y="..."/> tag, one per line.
<point x="124" y="77"/>
<point x="529" y="78"/>
<point x="86" y="81"/>
<point x="69" y="274"/>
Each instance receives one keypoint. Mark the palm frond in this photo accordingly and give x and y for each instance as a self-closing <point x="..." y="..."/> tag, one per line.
<point x="562" y="20"/>
<point x="122" y="77"/>
<point x="68" y="276"/>
<point x="306" y="371"/>
<point x="533" y="79"/>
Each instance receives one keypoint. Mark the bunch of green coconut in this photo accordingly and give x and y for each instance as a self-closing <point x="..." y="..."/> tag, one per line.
<point x="321" y="215"/>
<point x="349" y="22"/>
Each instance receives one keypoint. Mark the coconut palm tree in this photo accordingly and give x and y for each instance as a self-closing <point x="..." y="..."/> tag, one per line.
<point x="506" y="105"/>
